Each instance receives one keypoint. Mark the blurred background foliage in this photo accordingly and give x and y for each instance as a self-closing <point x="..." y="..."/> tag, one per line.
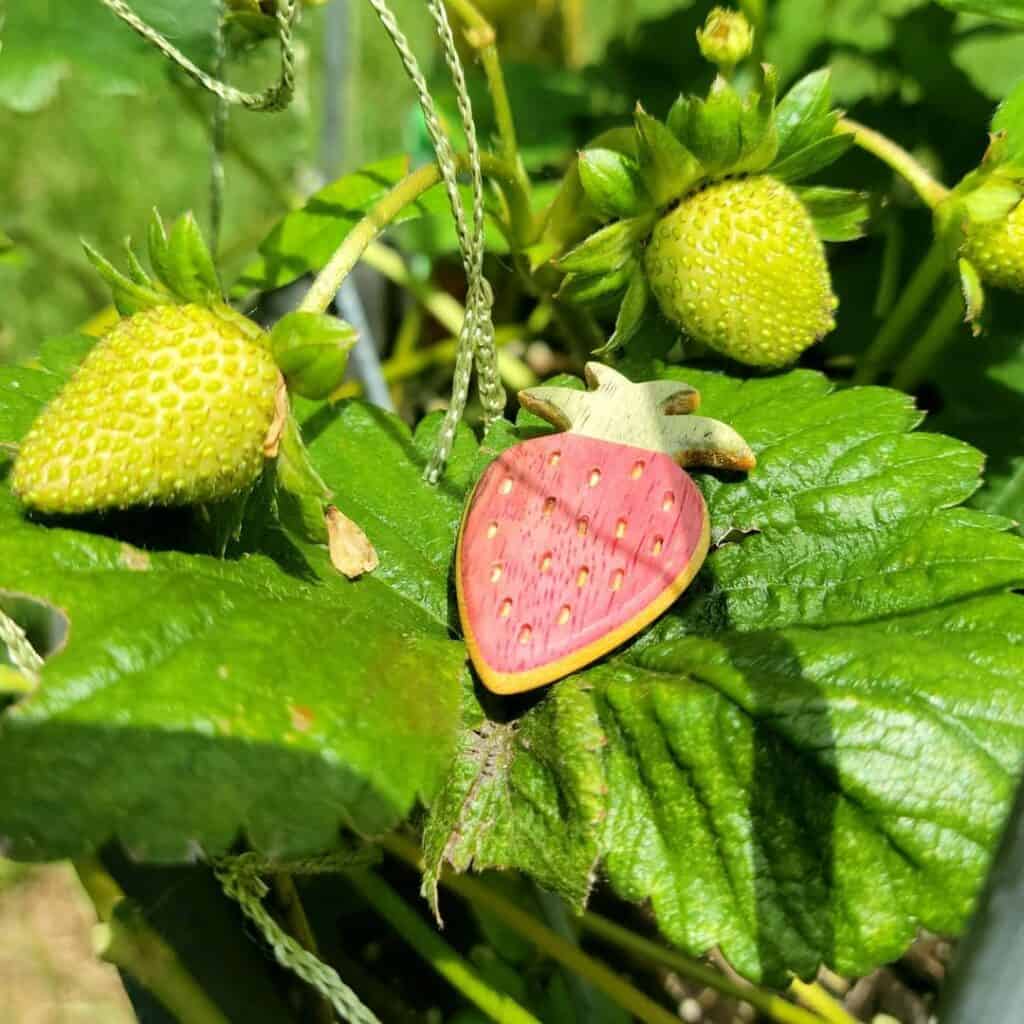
<point x="96" y="131"/>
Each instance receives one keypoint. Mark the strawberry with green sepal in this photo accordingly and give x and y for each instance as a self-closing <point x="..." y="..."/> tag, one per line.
<point x="574" y="542"/>
<point x="171" y="407"/>
<point x="981" y="222"/>
<point x="177" y="403"/>
<point x="704" y="207"/>
<point x="740" y="267"/>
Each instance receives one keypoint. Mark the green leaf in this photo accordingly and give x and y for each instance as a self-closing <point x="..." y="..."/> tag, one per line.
<point x="197" y="698"/>
<point x="611" y="182"/>
<point x="813" y="158"/>
<point x="1000" y="10"/>
<point x="993" y="61"/>
<point x="607" y="248"/>
<point x="804" y="116"/>
<point x="188" y="265"/>
<point x="813" y="753"/>
<point x="305" y="239"/>
<point x="839" y="213"/>
<point x="596" y="288"/>
<point x="713" y="133"/>
<point x="51" y="42"/>
<point x="1009" y="119"/>
<point x="129" y="296"/>
<point x="668" y="168"/>
<point x="631" y="313"/>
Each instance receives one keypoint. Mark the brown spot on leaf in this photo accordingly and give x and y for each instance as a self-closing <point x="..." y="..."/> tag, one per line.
<point x="134" y="559"/>
<point x="302" y="717"/>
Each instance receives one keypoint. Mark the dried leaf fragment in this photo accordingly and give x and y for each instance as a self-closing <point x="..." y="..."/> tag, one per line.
<point x="351" y="551"/>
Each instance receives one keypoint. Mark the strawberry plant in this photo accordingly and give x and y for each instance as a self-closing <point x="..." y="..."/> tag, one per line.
<point x="634" y="652"/>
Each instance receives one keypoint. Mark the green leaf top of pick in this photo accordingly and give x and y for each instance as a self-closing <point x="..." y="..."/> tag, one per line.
<point x="625" y="181"/>
<point x="183" y="270"/>
<point x="311" y="351"/>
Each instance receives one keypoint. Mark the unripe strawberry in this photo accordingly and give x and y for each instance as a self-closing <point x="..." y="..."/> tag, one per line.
<point x="739" y="266"/>
<point x="171" y="407"/>
<point x="996" y="248"/>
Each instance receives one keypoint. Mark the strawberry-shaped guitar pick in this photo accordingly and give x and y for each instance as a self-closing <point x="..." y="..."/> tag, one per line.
<point x="574" y="542"/>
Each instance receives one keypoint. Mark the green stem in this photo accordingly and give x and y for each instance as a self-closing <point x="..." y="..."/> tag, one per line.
<point x="415" y="362"/>
<point x="436" y="952"/>
<point x="931" y="191"/>
<point x="938" y="334"/>
<point x="633" y="1001"/>
<point x="329" y="280"/>
<point x="816" y="998"/>
<point x="444" y="308"/>
<point x="405" y="193"/>
<point x="481" y="36"/>
<point x="124" y="939"/>
<point x="919" y="289"/>
<point x="769" y="1003"/>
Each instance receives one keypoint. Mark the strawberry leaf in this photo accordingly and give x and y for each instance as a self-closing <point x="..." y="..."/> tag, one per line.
<point x="839" y="214"/>
<point x="195" y="699"/>
<point x="814" y="752"/>
<point x="805" y="122"/>
<point x="1009" y="120"/>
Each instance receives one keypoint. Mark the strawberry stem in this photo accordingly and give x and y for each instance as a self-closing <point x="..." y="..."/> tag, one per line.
<point x="481" y="895"/>
<point x="408" y="191"/>
<point x="435" y="951"/>
<point x="770" y="1004"/>
<point x="938" y="334"/>
<point x="919" y="289"/>
<point x="931" y="192"/>
<point x="635" y="1002"/>
<point x="480" y="35"/>
<point x="123" y="938"/>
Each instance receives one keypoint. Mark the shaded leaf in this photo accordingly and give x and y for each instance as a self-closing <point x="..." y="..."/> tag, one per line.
<point x="839" y="214"/>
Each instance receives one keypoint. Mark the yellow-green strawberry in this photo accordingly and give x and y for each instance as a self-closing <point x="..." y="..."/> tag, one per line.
<point x="739" y="266"/>
<point x="996" y="249"/>
<point x="171" y="407"/>
<point x="703" y="213"/>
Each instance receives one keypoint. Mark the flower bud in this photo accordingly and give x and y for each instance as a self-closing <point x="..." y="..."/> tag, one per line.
<point x="726" y="38"/>
<point x="311" y="350"/>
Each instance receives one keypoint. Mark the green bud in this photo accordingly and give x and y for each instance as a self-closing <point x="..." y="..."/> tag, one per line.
<point x="726" y="38"/>
<point x="311" y="350"/>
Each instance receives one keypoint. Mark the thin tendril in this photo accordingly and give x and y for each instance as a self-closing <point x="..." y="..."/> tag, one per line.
<point x="240" y="879"/>
<point x="276" y="97"/>
<point x="218" y="138"/>
<point x="476" y="339"/>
